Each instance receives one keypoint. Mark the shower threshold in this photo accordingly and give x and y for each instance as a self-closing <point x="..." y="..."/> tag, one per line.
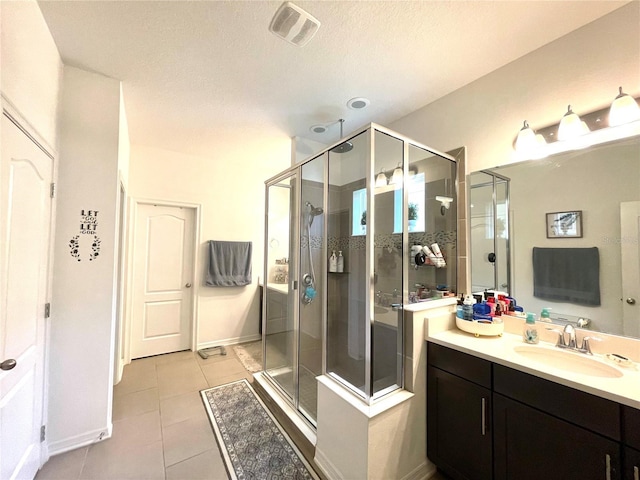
<point x="296" y="417"/>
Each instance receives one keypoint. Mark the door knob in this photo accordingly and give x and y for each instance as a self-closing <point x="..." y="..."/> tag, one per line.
<point x="188" y="285"/>
<point x="631" y="301"/>
<point x="8" y="364"/>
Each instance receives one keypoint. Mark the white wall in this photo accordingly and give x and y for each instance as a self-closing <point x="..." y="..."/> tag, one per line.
<point x="229" y="186"/>
<point x="31" y="73"/>
<point x="83" y="319"/>
<point x="584" y="69"/>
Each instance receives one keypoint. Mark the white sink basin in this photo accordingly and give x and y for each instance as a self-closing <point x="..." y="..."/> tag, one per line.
<point x="568" y="361"/>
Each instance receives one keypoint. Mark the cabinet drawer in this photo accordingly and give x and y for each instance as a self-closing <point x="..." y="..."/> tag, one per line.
<point x="631" y="426"/>
<point x="580" y="408"/>
<point x="471" y="368"/>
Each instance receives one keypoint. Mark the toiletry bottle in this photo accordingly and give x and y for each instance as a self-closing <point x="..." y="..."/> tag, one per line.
<point x="340" y="262"/>
<point x="467" y="307"/>
<point x="333" y="262"/>
<point x="440" y="262"/>
<point x="492" y="305"/>
<point x="544" y="315"/>
<point x="529" y="330"/>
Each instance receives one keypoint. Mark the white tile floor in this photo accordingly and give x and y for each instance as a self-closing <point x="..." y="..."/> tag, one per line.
<point x="160" y="427"/>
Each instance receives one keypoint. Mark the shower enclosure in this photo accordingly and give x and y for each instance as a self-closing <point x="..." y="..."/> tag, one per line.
<point x="353" y="199"/>
<point x="489" y="237"/>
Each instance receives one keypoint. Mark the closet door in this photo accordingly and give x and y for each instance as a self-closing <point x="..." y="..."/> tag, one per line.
<point x="25" y="208"/>
<point x="162" y="279"/>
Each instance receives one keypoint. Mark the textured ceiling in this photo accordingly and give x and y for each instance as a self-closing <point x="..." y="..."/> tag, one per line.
<point x="194" y="71"/>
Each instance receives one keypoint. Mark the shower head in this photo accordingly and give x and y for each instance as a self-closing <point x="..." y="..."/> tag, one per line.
<point x="314" y="211"/>
<point x="344" y="147"/>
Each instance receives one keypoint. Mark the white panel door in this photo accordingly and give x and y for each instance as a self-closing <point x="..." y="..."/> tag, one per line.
<point x="630" y="258"/>
<point x="163" y="268"/>
<point x="25" y="206"/>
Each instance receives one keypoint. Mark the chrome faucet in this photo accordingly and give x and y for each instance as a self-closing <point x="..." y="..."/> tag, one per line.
<point x="571" y="331"/>
<point x="572" y="343"/>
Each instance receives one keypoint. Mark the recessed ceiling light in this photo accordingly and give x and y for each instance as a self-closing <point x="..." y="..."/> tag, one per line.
<point x="318" y="128"/>
<point x="358" y="103"/>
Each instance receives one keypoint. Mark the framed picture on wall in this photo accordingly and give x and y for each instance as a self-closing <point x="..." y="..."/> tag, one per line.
<point x="564" y="224"/>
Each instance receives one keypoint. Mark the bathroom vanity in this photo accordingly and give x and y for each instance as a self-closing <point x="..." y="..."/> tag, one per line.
<point x="493" y="414"/>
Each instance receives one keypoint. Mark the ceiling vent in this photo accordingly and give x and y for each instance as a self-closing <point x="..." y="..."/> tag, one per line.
<point x="293" y="24"/>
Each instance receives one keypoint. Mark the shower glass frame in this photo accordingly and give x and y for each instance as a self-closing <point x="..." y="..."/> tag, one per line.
<point x="502" y="278"/>
<point x="367" y="393"/>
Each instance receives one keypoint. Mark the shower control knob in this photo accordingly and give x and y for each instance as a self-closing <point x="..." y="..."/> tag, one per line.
<point x="631" y="301"/>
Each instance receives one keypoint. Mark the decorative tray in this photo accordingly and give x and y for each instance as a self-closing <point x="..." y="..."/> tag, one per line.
<point x="487" y="329"/>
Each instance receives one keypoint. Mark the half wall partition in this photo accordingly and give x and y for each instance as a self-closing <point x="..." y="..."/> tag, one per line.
<point x="366" y="199"/>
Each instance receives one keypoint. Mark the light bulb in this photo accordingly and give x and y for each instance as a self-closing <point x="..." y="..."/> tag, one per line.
<point x="526" y="139"/>
<point x="571" y="126"/>
<point x="624" y="109"/>
<point x="381" y="179"/>
<point x="398" y="174"/>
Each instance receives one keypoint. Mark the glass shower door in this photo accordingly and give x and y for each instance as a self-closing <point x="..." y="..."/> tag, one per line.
<point x="279" y="324"/>
<point x="312" y="280"/>
<point x="490" y="263"/>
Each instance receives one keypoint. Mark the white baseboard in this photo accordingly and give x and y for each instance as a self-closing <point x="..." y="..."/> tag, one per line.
<point x="324" y="464"/>
<point x="82" y="440"/>
<point x="230" y="341"/>
<point x="421" y="472"/>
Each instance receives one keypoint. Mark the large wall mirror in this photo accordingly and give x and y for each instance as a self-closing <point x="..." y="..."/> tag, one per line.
<point x="574" y="217"/>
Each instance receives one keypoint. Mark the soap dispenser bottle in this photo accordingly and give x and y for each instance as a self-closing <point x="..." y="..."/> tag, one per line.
<point x="333" y="262"/>
<point x="544" y="315"/>
<point x="530" y="330"/>
<point x="340" y="262"/>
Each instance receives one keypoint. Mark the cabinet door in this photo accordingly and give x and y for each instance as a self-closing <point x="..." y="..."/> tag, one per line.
<point x="458" y="426"/>
<point x="532" y="445"/>
<point x="631" y="464"/>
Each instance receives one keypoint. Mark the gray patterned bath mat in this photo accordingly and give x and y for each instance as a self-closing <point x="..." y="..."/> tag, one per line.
<point x="252" y="443"/>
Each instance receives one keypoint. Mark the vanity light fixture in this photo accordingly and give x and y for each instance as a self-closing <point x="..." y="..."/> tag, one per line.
<point x="398" y="174"/>
<point x="620" y="120"/>
<point x="571" y="126"/>
<point x="624" y="109"/>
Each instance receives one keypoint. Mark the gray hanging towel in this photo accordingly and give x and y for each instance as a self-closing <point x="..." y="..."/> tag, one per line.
<point x="567" y="275"/>
<point x="229" y="264"/>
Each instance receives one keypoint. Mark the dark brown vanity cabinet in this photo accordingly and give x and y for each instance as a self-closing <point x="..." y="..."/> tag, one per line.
<point x="459" y="413"/>
<point x="485" y="420"/>
<point x="631" y="435"/>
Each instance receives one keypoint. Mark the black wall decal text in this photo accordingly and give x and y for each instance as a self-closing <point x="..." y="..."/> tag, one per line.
<point x="88" y="226"/>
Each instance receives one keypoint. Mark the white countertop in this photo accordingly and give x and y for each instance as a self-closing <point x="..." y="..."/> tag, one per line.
<point x="624" y="389"/>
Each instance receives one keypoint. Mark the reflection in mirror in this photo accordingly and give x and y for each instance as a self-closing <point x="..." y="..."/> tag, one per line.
<point x="603" y="183"/>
